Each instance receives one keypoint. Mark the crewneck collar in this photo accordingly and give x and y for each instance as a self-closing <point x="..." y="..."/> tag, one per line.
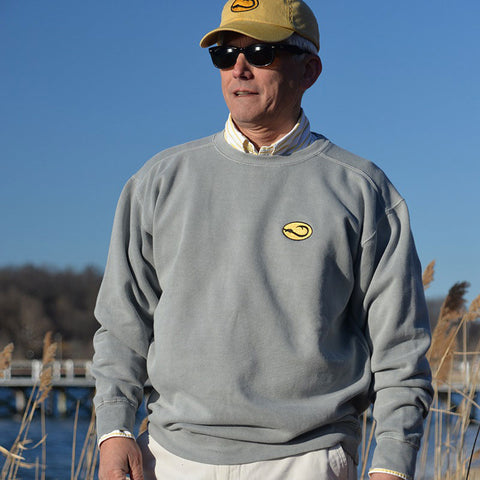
<point x="319" y="144"/>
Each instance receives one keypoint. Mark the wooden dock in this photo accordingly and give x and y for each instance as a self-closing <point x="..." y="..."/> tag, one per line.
<point x="72" y="383"/>
<point x="65" y="373"/>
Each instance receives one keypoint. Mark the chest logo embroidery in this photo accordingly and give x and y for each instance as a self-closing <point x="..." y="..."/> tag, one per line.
<point x="297" y="230"/>
<point x="244" y="5"/>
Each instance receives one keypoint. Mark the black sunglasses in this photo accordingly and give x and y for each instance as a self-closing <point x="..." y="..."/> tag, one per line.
<point x="258" y="55"/>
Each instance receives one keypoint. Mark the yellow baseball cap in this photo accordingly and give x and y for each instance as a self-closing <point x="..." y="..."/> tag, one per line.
<point x="266" y="20"/>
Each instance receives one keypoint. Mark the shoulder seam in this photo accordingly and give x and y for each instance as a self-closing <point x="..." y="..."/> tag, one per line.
<point x="175" y="150"/>
<point x="387" y="212"/>
<point x="350" y="167"/>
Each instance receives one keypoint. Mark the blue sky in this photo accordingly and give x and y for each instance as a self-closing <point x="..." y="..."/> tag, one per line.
<point x="90" y="90"/>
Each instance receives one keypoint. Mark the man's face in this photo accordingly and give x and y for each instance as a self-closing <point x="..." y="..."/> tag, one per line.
<point x="263" y="97"/>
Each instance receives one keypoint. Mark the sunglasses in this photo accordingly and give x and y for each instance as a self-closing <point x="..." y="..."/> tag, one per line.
<point x="258" y="55"/>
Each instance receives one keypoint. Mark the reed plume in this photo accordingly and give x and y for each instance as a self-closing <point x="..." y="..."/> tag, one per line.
<point x="37" y="398"/>
<point x="474" y="310"/>
<point x="454" y="304"/>
<point x="5" y="358"/>
<point x="45" y="384"/>
<point x="427" y="277"/>
<point x="442" y="348"/>
<point x="452" y="455"/>
<point x="49" y="352"/>
<point x="49" y="349"/>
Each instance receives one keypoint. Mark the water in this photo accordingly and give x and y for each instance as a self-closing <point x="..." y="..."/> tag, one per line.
<point x="58" y="444"/>
<point x="59" y="441"/>
<point x="60" y="431"/>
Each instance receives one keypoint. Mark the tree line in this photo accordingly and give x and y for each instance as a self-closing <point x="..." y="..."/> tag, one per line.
<point x="35" y="300"/>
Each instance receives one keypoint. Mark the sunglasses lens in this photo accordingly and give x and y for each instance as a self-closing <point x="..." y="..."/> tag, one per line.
<point x="260" y="55"/>
<point x="223" y="57"/>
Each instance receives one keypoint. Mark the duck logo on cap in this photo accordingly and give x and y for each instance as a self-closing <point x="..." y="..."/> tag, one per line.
<point x="243" y="5"/>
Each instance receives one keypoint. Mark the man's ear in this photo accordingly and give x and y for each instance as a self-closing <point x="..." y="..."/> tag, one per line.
<point x="312" y="70"/>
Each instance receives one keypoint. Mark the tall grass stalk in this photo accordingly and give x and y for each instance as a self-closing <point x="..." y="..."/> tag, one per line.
<point x="5" y="358"/>
<point x="89" y="455"/>
<point x="36" y="399"/>
<point x="452" y="458"/>
<point x="85" y="469"/>
<point x="74" y="442"/>
<point x="456" y="378"/>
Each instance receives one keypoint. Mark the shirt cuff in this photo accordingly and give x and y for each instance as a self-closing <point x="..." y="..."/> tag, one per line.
<point x="390" y="472"/>
<point x="116" y="433"/>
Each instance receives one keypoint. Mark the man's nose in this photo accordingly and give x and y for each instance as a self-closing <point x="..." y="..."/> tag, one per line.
<point x="242" y="69"/>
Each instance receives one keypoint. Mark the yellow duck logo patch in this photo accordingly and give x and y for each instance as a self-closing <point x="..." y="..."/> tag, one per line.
<point x="297" y="230"/>
<point x="244" y="5"/>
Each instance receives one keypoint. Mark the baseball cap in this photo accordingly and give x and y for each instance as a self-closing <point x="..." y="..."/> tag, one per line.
<point x="266" y="20"/>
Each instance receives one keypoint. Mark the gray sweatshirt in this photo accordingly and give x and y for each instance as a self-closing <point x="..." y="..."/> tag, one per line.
<point x="269" y="300"/>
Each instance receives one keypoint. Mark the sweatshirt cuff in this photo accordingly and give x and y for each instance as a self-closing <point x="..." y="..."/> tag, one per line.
<point x="391" y="456"/>
<point x="115" y="415"/>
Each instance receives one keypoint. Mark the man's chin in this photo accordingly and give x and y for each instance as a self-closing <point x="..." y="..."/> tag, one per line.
<point x="250" y="119"/>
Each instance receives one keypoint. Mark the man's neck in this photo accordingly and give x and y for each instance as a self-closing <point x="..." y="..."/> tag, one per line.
<point x="261" y="136"/>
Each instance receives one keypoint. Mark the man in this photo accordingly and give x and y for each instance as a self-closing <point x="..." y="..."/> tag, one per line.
<point x="267" y="284"/>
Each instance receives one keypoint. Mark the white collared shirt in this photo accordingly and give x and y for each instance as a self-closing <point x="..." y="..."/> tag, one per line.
<point x="299" y="137"/>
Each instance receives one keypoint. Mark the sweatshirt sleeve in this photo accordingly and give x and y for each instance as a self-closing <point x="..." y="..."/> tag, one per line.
<point x="125" y="305"/>
<point x="397" y="329"/>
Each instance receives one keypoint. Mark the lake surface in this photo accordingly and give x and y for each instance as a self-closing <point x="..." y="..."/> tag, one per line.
<point x="59" y="443"/>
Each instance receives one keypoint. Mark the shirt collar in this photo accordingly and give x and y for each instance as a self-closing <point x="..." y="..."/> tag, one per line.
<point x="299" y="137"/>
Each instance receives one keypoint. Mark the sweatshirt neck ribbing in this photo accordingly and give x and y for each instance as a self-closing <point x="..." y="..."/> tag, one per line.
<point x="272" y="160"/>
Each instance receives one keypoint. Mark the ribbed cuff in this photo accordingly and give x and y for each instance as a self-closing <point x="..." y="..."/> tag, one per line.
<point x="393" y="456"/>
<point x="113" y="415"/>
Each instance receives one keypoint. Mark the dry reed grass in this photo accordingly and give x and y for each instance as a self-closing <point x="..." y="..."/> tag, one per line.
<point x="5" y="358"/>
<point x="87" y="463"/>
<point x="453" y="458"/>
<point x="15" y="460"/>
<point x="143" y="426"/>
<point x="449" y="323"/>
<point x="428" y="274"/>
<point x="456" y="376"/>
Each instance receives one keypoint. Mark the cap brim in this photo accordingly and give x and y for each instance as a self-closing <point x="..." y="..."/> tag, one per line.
<point x="259" y="31"/>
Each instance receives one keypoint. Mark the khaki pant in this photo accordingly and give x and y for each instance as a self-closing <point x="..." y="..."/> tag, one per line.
<point x="329" y="464"/>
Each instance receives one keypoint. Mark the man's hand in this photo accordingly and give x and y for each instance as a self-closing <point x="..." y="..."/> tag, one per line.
<point x="119" y="457"/>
